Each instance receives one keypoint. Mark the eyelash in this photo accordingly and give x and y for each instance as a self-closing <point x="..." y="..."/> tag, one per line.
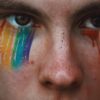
<point x="8" y="17"/>
<point x="89" y="26"/>
<point x="84" y="22"/>
<point x="90" y="21"/>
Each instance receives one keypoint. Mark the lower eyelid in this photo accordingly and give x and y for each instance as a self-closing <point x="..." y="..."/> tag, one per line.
<point x="12" y="22"/>
<point x="91" y="33"/>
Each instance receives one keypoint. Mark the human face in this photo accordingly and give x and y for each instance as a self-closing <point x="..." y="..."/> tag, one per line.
<point x="62" y="55"/>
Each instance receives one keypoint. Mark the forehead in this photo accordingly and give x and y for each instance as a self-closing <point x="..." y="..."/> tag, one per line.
<point x="57" y="4"/>
<point x="60" y="7"/>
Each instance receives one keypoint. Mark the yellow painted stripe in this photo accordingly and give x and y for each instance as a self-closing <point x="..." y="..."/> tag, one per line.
<point x="6" y="45"/>
<point x="2" y="23"/>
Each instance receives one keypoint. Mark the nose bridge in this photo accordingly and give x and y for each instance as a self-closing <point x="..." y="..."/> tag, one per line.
<point x="61" y="73"/>
<point x="60" y="69"/>
<point x="61" y="41"/>
<point x="61" y="56"/>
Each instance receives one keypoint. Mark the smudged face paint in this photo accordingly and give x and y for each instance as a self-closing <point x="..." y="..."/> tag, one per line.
<point x="93" y="35"/>
<point x="91" y="29"/>
<point x="16" y="36"/>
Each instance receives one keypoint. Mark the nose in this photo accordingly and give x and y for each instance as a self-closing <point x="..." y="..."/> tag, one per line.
<point x="61" y="77"/>
<point x="60" y="74"/>
<point x="60" y="69"/>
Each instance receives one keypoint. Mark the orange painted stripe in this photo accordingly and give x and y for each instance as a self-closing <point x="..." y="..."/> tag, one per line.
<point x="7" y="36"/>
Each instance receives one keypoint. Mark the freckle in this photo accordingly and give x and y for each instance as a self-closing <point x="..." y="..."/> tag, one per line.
<point x="62" y="38"/>
<point x="32" y="62"/>
<point x="63" y="35"/>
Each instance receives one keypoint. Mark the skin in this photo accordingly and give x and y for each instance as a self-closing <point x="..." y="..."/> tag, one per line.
<point x="64" y="64"/>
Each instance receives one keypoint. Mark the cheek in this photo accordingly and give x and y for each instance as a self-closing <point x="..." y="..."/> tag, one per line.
<point x="92" y="80"/>
<point x="40" y="46"/>
<point x="88" y="58"/>
<point x="15" y="45"/>
<point x="86" y="48"/>
<point x="88" y="55"/>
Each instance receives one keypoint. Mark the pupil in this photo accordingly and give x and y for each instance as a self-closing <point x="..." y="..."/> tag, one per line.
<point x="96" y="21"/>
<point x="22" y="20"/>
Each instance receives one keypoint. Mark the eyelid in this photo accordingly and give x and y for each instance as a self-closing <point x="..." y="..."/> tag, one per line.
<point x="6" y="14"/>
<point x="86" y="17"/>
<point x="85" y="13"/>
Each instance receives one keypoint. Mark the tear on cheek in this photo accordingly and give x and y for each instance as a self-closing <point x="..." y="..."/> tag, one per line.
<point x="93" y="34"/>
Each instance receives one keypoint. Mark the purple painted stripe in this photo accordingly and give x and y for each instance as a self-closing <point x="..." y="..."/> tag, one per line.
<point x="28" y="46"/>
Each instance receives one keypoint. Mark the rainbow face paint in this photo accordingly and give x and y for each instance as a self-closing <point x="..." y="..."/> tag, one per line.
<point x="21" y="47"/>
<point x="15" y="44"/>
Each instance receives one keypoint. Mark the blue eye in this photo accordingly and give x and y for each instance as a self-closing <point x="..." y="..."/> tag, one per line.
<point x="92" y="22"/>
<point x="19" y="21"/>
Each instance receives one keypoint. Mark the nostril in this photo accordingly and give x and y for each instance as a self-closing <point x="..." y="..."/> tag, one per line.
<point x="61" y="79"/>
<point x="74" y="86"/>
<point x="51" y="85"/>
<point x="47" y="84"/>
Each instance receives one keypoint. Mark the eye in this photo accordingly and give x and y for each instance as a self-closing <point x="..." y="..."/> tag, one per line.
<point x="90" y="27"/>
<point x="20" y="21"/>
<point x="92" y="22"/>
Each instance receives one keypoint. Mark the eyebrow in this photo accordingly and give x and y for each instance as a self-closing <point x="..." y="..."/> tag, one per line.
<point x="16" y="5"/>
<point x="87" y="10"/>
<point x="22" y="7"/>
<point x="93" y="6"/>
